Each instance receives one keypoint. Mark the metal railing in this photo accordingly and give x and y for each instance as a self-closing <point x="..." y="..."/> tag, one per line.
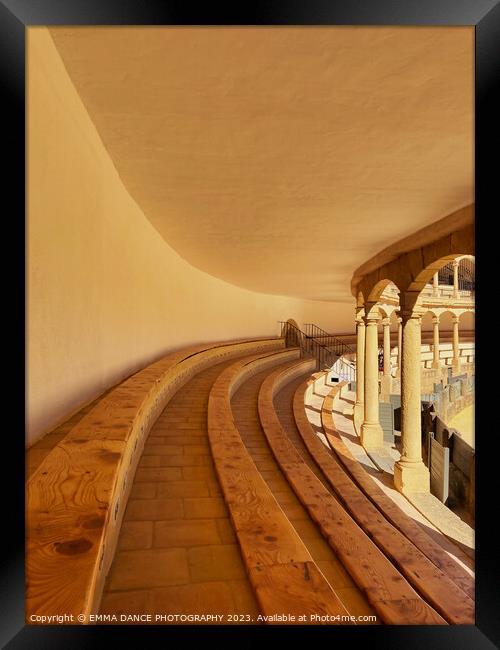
<point x="330" y="341"/>
<point x="466" y="275"/>
<point x="326" y="357"/>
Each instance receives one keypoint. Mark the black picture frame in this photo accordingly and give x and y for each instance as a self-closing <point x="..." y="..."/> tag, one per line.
<point x="15" y="17"/>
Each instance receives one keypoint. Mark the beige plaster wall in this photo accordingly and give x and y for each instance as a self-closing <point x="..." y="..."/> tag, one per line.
<point x="105" y="293"/>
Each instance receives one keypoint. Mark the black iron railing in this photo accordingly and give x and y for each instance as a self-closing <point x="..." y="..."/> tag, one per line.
<point x="327" y="358"/>
<point x="330" y="341"/>
<point x="466" y="275"/>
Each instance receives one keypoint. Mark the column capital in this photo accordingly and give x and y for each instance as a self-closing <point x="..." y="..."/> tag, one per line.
<point x="435" y="320"/>
<point x="372" y="314"/>
<point x="455" y="318"/>
<point x="386" y="322"/>
<point x="415" y="313"/>
<point x="372" y="319"/>
<point x="410" y="305"/>
<point x="456" y="263"/>
<point x="360" y="313"/>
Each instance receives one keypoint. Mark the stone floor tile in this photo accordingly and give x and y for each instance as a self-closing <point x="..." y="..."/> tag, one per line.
<point x="204" y="507"/>
<point x="154" y="509"/>
<point x="149" y="568"/>
<point x="215" y="563"/>
<point x="185" y="533"/>
<point x="135" y="535"/>
<point x="183" y="489"/>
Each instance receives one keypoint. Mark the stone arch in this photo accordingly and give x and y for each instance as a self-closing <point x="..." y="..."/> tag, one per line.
<point x="386" y="311"/>
<point x="292" y="334"/>
<point x="378" y="288"/>
<point x="427" y="320"/>
<point x="394" y="320"/>
<point x="411" y="271"/>
<point x="446" y="320"/>
<point x="467" y="312"/>
<point x="466" y="320"/>
<point x="435" y="312"/>
<point x="426" y="274"/>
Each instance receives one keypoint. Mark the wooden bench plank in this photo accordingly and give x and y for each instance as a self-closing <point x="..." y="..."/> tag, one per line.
<point x="280" y="568"/>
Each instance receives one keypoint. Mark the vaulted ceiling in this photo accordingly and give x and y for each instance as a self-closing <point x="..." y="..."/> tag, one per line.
<point x="281" y="159"/>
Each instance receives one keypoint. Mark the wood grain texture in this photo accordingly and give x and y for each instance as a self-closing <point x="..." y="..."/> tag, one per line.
<point x="282" y="572"/>
<point x="77" y="496"/>
<point x="367" y="564"/>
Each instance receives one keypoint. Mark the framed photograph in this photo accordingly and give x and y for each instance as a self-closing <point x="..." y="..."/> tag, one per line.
<point x="245" y="243"/>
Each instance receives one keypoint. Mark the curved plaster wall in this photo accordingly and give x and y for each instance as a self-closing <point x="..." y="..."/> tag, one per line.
<point x="106" y="294"/>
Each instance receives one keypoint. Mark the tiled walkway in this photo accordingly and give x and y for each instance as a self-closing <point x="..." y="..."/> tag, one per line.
<point x="177" y="552"/>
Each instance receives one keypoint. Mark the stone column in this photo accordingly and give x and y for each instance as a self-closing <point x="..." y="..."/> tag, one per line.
<point x="455" y="278"/>
<point x="435" y="362"/>
<point x="435" y="284"/>
<point x="456" y="349"/>
<point x="386" y="377"/>
<point x="359" y="407"/>
<point x="400" y="344"/>
<point x="410" y="473"/>
<point x="371" y="431"/>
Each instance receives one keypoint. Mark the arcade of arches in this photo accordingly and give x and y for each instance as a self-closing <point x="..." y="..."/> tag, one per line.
<point x="413" y="301"/>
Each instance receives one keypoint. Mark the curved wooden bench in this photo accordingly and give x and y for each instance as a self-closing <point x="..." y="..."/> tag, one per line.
<point x="380" y="580"/>
<point x="282" y="572"/>
<point x="360" y="488"/>
<point x="77" y="496"/>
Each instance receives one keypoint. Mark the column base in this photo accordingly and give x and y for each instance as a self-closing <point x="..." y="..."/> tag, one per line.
<point x="410" y="477"/>
<point x="372" y="435"/>
<point x="358" y="416"/>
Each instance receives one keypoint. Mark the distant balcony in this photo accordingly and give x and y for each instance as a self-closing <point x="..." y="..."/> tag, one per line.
<point x="433" y="296"/>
